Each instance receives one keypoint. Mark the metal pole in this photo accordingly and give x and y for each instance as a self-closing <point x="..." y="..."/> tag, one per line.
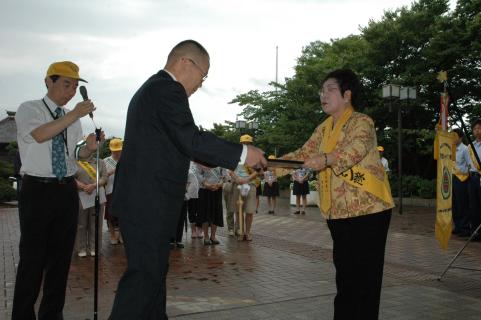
<point x="277" y="63"/>
<point x="400" y="194"/>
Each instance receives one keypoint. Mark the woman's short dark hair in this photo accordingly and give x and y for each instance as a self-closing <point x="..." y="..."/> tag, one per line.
<point x="347" y="80"/>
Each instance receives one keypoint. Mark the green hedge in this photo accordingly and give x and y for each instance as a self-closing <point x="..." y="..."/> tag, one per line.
<point x="7" y="192"/>
<point x="414" y="186"/>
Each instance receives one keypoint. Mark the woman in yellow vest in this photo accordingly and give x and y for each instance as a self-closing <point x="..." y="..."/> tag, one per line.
<point x="355" y="197"/>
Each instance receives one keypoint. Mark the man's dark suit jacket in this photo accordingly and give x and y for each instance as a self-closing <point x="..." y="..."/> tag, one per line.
<point x="160" y="140"/>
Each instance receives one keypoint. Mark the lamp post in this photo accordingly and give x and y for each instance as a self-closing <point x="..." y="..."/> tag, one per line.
<point x="243" y="125"/>
<point x="391" y="91"/>
<point x="403" y="93"/>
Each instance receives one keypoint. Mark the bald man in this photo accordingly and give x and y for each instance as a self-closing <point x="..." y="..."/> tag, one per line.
<point x="160" y="140"/>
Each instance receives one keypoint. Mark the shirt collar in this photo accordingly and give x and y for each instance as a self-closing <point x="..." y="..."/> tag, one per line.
<point x="170" y="74"/>
<point x="51" y="105"/>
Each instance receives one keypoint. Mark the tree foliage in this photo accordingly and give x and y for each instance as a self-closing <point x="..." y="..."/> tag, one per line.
<point x="408" y="47"/>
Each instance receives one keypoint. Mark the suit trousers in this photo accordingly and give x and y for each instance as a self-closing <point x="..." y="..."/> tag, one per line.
<point x="141" y="293"/>
<point x="180" y="224"/>
<point x="48" y="215"/>
<point x="474" y="201"/>
<point x="460" y="205"/>
<point x="358" y="254"/>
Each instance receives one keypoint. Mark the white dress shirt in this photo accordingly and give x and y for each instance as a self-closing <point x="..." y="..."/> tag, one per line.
<point x="462" y="158"/>
<point x="37" y="157"/>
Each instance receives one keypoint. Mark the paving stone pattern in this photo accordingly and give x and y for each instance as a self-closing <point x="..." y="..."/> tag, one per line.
<point x="286" y="272"/>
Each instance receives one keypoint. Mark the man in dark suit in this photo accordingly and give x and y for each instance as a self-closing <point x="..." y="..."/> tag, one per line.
<point x="160" y="140"/>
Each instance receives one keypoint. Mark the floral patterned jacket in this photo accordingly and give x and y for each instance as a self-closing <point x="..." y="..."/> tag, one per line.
<point x="357" y="145"/>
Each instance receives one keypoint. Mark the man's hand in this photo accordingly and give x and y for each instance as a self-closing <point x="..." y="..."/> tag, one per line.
<point x="255" y="158"/>
<point x="83" y="108"/>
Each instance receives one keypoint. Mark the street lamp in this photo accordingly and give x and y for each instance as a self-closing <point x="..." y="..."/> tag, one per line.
<point x="243" y="125"/>
<point x="403" y="93"/>
<point x="393" y="91"/>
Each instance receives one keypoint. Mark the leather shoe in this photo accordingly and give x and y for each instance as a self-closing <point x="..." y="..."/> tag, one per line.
<point x="179" y="245"/>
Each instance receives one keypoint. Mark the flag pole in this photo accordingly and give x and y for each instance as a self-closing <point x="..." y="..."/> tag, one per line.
<point x="452" y="100"/>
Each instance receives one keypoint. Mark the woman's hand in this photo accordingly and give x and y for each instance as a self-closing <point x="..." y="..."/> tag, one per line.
<point x="316" y="163"/>
<point x="321" y="161"/>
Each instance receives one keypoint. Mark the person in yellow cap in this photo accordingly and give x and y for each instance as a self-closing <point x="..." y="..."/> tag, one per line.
<point x="384" y="161"/>
<point x="161" y="138"/>
<point x="47" y="135"/>
<point x="245" y="178"/>
<point x="115" y="146"/>
<point x="271" y="187"/>
<point x="355" y="196"/>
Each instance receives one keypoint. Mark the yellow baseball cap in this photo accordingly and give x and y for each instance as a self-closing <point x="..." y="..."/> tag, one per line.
<point x="115" y="144"/>
<point x="380" y="148"/>
<point x="246" y="139"/>
<point x="65" y="69"/>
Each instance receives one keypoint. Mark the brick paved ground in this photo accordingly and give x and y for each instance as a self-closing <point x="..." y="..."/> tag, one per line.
<point x="285" y="273"/>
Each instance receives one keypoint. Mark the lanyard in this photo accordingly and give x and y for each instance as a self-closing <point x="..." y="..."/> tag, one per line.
<point x="64" y="132"/>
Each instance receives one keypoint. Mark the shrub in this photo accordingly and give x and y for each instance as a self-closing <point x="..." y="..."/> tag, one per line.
<point x="7" y="192"/>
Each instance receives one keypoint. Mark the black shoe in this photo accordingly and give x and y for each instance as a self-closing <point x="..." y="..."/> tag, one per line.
<point x="214" y="242"/>
<point x="207" y="242"/>
<point x="297" y="212"/>
<point x="303" y="212"/>
<point x="179" y="245"/>
<point x="172" y="245"/>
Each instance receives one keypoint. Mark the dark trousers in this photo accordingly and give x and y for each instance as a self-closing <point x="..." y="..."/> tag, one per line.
<point x="48" y="215"/>
<point x="474" y="201"/>
<point x="141" y="293"/>
<point x="180" y="224"/>
<point x="460" y="205"/>
<point x="358" y="254"/>
<point x="193" y="211"/>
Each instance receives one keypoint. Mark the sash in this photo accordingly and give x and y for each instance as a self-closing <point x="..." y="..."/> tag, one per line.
<point x="356" y="176"/>
<point x="89" y="169"/>
<point x="473" y="159"/>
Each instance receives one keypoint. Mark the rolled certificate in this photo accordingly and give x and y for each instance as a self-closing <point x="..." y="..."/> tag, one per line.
<point x="279" y="163"/>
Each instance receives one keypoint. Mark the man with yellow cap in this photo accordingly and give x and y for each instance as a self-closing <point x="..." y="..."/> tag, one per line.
<point x="245" y="185"/>
<point x="115" y="146"/>
<point x="47" y="135"/>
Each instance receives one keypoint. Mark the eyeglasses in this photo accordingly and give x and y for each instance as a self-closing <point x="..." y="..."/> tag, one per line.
<point x="328" y="90"/>
<point x="203" y="74"/>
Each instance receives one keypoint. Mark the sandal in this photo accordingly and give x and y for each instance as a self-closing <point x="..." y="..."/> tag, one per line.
<point x="214" y="241"/>
<point x="248" y="237"/>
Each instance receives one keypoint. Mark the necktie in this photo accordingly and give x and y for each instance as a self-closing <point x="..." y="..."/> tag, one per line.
<point x="59" y="167"/>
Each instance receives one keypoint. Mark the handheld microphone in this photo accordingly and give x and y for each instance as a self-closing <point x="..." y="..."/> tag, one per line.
<point x="85" y="96"/>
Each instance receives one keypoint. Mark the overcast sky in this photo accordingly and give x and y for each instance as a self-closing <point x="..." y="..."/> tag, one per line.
<point x="118" y="44"/>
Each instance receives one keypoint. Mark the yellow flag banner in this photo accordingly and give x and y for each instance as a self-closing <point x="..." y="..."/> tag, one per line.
<point x="445" y="151"/>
